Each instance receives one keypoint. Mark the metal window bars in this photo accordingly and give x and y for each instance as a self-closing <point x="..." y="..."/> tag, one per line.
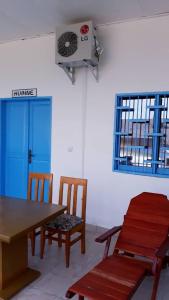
<point x="142" y="133"/>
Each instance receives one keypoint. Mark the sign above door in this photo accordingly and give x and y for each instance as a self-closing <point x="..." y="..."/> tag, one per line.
<point x="24" y="93"/>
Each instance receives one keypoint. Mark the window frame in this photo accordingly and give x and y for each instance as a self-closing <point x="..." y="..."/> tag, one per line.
<point x="154" y="170"/>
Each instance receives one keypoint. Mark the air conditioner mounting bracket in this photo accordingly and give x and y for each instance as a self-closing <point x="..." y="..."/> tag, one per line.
<point x="70" y="72"/>
<point x="93" y="69"/>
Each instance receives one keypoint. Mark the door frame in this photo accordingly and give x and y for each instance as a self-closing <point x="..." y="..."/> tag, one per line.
<point x="2" y="133"/>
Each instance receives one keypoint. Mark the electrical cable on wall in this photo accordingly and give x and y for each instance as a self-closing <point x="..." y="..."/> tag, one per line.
<point x="84" y="113"/>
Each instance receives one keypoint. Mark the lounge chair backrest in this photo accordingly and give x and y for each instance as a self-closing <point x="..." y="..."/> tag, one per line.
<point x="146" y="225"/>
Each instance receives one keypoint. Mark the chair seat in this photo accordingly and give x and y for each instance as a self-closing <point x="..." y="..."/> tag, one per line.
<point x="115" y="278"/>
<point x="64" y="222"/>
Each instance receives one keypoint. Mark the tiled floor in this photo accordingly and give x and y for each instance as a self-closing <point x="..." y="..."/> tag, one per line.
<point x="55" y="278"/>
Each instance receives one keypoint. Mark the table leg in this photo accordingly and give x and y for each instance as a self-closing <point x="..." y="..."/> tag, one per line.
<point x="14" y="271"/>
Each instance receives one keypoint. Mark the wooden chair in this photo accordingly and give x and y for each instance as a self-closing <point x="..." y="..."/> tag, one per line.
<point x="36" y="190"/>
<point x="69" y="223"/>
<point x="139" y="251"/>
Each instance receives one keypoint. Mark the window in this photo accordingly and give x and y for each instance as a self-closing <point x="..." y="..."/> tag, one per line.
<point x="142" y="134"/>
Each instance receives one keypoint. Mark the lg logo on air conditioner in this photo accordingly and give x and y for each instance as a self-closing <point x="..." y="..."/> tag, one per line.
<point x="84" y="30"/>
<point x="84" y="38"/>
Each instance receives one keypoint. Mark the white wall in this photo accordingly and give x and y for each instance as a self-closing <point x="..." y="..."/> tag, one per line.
<point x="136" y="58"/>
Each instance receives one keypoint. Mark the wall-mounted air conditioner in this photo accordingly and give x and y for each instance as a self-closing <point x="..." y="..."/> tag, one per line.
<point x="77" y="46"/>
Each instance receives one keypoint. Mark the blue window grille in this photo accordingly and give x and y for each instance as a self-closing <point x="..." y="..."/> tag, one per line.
<point x="142" y="134"/>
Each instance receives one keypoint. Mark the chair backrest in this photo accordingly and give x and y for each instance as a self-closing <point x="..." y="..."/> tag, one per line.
<point x="73" y="184"/>
<point x="36" y="187"/>
<point x="146" y="225"/>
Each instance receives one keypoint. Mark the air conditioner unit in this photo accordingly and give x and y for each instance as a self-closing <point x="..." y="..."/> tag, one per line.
<point x="77" y="46"/>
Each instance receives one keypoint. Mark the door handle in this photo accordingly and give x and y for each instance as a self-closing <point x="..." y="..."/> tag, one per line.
<point x="30" y="155"/>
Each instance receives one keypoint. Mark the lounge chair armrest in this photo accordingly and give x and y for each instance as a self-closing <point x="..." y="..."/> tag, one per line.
<point x="103" y="237"/>
<point x="161" y="252"/>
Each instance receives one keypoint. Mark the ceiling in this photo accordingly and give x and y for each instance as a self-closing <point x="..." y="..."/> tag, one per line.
<point x="29" y="18"/>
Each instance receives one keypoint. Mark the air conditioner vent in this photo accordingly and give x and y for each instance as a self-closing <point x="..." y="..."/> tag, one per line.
<point x="67" y="44"/>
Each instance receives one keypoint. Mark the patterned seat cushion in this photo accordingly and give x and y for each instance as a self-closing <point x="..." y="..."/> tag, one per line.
<point x="64" y="222"/>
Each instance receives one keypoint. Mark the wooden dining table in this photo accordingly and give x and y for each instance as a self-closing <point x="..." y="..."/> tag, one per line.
<point x="17" y="218"/>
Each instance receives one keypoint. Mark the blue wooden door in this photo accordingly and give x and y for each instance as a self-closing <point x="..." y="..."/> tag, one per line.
<point x="39" y="136"/>
<point x="15" y="148"/>
<point x="27" y="143"/>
